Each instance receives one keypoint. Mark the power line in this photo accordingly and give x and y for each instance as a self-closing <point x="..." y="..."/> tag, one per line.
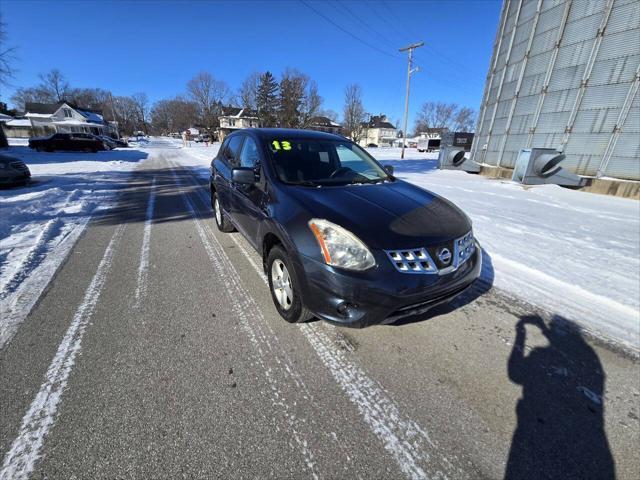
<point x="389" y="42"/>
<point x="439" y="55"/>
<point x="364" y="42"/>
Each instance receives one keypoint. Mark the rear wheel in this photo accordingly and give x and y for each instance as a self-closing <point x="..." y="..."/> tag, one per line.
<point x="222" y="222"/>
<point x="284" y="289"/>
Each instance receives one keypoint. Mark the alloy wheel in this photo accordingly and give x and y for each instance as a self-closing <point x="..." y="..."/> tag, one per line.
<point x="216" y="207"/>
<point x="281" y="281"/>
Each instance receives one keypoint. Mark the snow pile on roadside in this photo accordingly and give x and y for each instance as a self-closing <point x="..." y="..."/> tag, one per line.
<point x="40" y="223"/>
<point x="570" y="253"/>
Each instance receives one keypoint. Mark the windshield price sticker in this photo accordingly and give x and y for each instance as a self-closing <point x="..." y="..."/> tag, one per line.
<point x="281" y="145"/>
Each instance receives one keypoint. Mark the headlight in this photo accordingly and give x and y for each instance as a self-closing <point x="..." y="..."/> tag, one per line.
<point x="339" y="247"/>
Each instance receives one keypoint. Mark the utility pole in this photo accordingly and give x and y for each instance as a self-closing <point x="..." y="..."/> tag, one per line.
<point x="410" y="71"/>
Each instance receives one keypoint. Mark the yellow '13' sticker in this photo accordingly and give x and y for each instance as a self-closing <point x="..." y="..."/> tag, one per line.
<point x="283" y="145"/>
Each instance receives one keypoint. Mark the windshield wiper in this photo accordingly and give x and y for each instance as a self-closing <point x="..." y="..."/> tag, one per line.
<point x="367" y="181"/>
<point x="307" y="183"/>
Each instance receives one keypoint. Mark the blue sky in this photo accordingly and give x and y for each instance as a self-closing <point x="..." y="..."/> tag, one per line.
<point x="156" y="47"/>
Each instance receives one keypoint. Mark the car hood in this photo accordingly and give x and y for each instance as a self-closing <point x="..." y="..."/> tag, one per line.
<point x="386" y="215"/>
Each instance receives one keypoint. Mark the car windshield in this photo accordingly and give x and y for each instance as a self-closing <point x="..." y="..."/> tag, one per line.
<point x="312" y="162"/>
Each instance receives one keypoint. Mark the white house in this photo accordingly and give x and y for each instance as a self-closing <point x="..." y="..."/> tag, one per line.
<point x="64" y="117"/>
<point x="378" y="131"/>
<point x="234" y="118"/>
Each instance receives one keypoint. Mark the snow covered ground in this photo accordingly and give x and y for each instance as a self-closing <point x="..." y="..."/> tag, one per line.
<point x="570" y="253"/>
<point x="39" y="224"/>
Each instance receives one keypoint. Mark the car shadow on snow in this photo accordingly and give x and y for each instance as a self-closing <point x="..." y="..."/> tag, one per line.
<point x="479" y="288"/>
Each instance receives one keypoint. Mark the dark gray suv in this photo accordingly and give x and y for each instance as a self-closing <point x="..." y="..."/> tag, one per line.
<point x="13" y="171"/>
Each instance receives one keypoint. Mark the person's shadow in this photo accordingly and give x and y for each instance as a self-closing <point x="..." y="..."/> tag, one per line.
<point x="560" y="432"/>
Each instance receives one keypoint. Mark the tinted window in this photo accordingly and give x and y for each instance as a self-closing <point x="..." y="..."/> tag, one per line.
<point x="249" y="156"/>
<point x="231" y="152"/>
<point x="311" y="161"/>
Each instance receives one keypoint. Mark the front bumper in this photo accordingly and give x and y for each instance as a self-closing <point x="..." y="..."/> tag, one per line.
<point x="380" y="296"/>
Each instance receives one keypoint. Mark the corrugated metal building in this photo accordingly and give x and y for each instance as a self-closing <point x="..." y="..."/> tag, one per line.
<point x="565" y="74"/>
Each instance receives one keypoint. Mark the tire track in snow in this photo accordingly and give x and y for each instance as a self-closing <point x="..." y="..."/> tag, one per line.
<point x="25" y="450"/>
<point x="143" y="268"/>
<point x="417" y="455"/>
<point x="20" y="290"/>
<point x="32" y="258"/>
<point x="15" y="307"/>
<point x="251" y="319"/>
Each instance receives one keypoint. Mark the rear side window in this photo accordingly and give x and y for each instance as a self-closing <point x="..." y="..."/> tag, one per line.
<point x="231" y="151"/>
<point x="249" y="156"/>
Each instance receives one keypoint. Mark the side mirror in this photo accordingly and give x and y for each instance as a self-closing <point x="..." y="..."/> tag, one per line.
<point x="388" y="169"/>
<point x="243" y="176"/>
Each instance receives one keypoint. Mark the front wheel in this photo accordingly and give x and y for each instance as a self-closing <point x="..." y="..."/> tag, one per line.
<point x="222" y="222"/>
<point x="284" y="290"/>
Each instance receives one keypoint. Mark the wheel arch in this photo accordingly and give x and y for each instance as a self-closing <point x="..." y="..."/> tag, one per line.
<point x="269" y="241"/>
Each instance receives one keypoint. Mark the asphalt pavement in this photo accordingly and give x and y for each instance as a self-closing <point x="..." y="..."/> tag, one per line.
<point x="156" y="352"/>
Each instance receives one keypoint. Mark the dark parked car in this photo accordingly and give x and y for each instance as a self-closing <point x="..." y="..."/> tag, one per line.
<point x="13" y="171"/>
<point x="109" y="142"/>
<point x="83" y="142"/>
<point x="121" y="142"/>
<point x="341" y="238"/>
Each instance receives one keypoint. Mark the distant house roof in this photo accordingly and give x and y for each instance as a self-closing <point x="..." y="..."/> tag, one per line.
<point x="19" y="122"/>
<point x="5" y="118"/>
<point x="42" y="110"/>
<point x="323" y="122"/>
<point x="378" y="122"/>
<point x="238" y="112"/>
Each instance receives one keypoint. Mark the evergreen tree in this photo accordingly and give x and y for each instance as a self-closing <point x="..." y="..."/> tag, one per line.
<point x="267" y="100"/>
<point x="292" y="95"/>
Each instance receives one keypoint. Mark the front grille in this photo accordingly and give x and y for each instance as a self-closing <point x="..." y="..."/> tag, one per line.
<point x="412" y="261"/>
<point x="441" y="259"/>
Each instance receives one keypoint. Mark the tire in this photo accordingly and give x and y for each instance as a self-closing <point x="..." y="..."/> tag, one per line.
<point x="285" y="294"/>
<point x="222" y="221"/>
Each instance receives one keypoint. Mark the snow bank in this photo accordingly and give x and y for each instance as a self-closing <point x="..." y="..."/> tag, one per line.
<point x="40" y="223"/>
<point x="570" y="253"/>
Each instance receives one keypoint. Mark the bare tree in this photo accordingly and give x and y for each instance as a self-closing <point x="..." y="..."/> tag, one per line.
<point x="209" y="94"/>
<point x="248" y="94"/>
<point x="444" y="115"/>
<point x="6" y="55"/>
<point x="22" y="96"/>
<point x="465" y="120"/>
<point x="141" y="102"/>
<point x="96" y="98"/>
<point x="54" y="85"/>
<point x="127" y="114"/>
<point x="311" y="102"/>
<point x="354" y="114"/>
<point x="173" y="115"/>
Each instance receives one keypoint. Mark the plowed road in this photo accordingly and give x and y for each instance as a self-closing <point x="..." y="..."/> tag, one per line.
<point x="156" y="352"/>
